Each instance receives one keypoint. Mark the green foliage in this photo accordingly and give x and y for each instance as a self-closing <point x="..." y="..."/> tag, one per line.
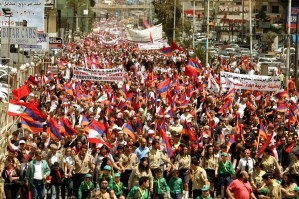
<point x="263" y="17"/>
<point x="164" y="13"/>
<point x="268" y="38"/>
<point x="200" y="54"/>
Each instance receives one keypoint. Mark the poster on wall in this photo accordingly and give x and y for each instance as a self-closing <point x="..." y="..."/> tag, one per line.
<point x="30" y="10"/>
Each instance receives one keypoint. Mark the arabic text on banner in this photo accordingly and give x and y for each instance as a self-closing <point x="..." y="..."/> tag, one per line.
<point x="99" y="74"/>
<point x="144" y="35"/>
<point x="249" y="82"/>
<point x="30" y="10"/>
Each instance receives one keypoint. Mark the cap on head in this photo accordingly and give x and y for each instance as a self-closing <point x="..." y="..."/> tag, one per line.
<point x="107" y="167"/>
<point x="117" y="175"/>
<point x="267" y="176"/>
<point x="296" y="189"/>
<point x="224" y="154"/>
<point x="88" y="175"/>
<point x="205" y="188"/>
<point x="22" y="142"/>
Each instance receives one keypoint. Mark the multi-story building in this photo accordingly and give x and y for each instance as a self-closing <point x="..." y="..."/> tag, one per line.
<point x="230" y="17"/>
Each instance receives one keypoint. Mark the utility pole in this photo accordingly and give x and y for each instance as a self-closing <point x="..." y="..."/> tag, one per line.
<point x="174" y="14"/>
<point x="288" y="47"/>
<point x="207" y="35"/>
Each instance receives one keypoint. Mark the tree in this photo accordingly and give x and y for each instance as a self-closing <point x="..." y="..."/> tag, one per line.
<point x="164" y="11"/>
<point x="268" y="38"/>
<point x="262" y="16"/>
<point x="75" y="6"/>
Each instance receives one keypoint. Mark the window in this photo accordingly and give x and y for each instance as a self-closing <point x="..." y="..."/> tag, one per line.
<point x="275" y="9"/>
<point x="264" y="8"/>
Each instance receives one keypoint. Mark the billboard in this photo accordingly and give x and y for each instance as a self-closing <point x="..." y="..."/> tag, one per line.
<point x="30" y="10"/>
<point x="19" y="35"/>
<point x="294" y="11"/>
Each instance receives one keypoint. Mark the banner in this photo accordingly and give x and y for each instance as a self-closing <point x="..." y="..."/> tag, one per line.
<point x="249" y="82"/>
<point x="143" y="36"/>
<point x="30" y="10"/>
<point x="98" y="74"/>
<point x="152" y="46"/>
<point x="212" y="85"/>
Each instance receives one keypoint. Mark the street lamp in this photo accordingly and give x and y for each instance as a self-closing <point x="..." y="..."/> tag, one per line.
<point x="8" y="13"/>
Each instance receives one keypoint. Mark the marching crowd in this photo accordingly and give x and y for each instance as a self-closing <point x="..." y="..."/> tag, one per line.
<point x="179" y="142"/>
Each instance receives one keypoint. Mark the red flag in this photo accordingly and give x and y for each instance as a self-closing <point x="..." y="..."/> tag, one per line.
<point x="261" y="150"/>
<point x="21" y="92"/>
<point x="31" y="80"/>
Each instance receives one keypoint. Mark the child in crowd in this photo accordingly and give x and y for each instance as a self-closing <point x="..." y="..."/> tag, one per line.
<point x="225" y="172"/>
<point x="205" y="193"/>
<point x="86" y="187"/>
<point x="106" y="173"/>
<point x="141" y="191"/>
<point x="175" y="185"/>
<point x="160" y="185"/>
<point x="117" y="186"/>
<point x="57" y="176"/>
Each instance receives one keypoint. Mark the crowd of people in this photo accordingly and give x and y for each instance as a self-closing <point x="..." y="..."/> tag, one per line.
<point x="151" y="143"/>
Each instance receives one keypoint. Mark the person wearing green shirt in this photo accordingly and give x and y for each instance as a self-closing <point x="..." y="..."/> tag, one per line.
<point x="117" y="186"/>
<point x="106" y="173"/>
<point x="175" y="185"/>
<point x="160" y="185"/>
<point x="85" y="187"/>
<point x="140" y="191"/>
<point x="225" y="172"/>
<point x="205" y="193"/>
<point x="296" y="192"/>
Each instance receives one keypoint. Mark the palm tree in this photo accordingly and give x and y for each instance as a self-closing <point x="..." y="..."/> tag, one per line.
<point x="76" y="6"/>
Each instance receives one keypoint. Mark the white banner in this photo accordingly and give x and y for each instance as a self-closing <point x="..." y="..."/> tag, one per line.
<point x="144" y="35"/>
<point x="30" y="10"/>
<point x="98" y="74"/>
<point x="99" y="79"/>
<point x="152" y="46"/>
<point x="212" y="85"/>
<point x="249" y="82"/>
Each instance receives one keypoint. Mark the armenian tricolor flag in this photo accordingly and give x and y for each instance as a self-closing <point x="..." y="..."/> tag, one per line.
<point x="128" y="129"/>
<point x="163" y="87"/>
<point x="166" y="140"/>
<point x="31" y="125"/>
<point x="66" y="127"/>
<point x="53" y="129"/>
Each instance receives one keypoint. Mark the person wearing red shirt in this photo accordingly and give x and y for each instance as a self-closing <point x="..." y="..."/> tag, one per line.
<point x="240" y="187"/>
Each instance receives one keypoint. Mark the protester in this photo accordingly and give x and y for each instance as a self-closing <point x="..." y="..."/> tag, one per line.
<point x="141" y="191"/>
<point x="86" y="187"/>
<point x="136" y="111"/>
<point x="240" y="187"/>
<point x="273" y="189"/>
<point x="176" y="185"/>
<point x="36" y="175"/>
<point x="205" y="193"/>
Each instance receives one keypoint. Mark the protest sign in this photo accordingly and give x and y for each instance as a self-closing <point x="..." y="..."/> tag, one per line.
<point x="98" y="74"/>
<point x="249" y="82"/>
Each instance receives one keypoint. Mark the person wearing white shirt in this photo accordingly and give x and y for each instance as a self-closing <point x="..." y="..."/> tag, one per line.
<point x="246" y="163"/>
<point x="185" y="116"/>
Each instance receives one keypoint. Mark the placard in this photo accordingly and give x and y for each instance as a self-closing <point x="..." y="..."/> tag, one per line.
<point x="249" y="82"/>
